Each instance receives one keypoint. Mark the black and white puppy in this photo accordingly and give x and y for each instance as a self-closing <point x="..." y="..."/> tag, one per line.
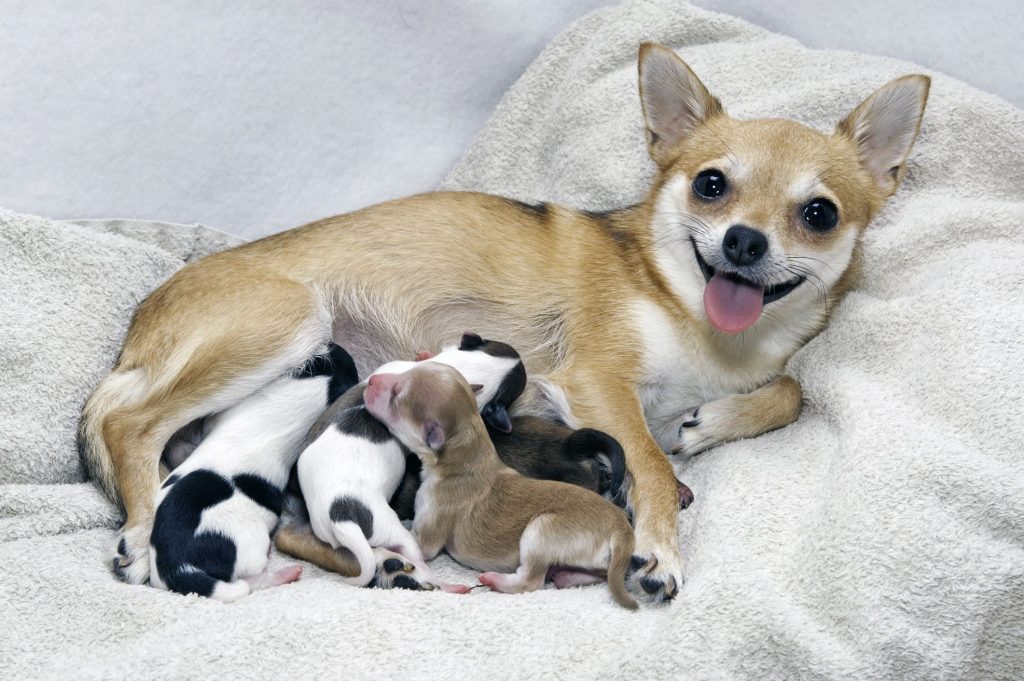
<point x="215" y="512"/>
<point x="351" y="465"/>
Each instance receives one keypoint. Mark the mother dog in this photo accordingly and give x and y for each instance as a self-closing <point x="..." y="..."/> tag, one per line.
<point x="666" y="324"/>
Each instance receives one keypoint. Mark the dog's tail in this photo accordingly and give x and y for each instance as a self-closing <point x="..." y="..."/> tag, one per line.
<point x="350" y="535"/>
<point x="587" y="443"/>
<point x="118" y="389"/>
<point x="618" y="566"/>
<point x="191" y="580"/>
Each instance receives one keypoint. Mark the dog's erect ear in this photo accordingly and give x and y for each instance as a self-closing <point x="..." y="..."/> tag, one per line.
<point x="497" y="417"/>
<point x="470" y="341"/>
<point x="673" y="99"/>
<point x="885" y="126"/>
<point x="433" y="436"/>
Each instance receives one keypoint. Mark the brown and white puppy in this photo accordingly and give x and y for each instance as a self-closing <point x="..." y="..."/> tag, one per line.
<point x="634" y="316"/>
<point x="485" y="514"/>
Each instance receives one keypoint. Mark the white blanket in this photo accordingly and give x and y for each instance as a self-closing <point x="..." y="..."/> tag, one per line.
<point x="880" y="536"/>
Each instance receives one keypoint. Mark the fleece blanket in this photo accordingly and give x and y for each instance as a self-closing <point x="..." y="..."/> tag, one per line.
<point x="881" y="536"/>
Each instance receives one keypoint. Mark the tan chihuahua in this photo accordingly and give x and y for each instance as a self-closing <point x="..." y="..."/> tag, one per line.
<point x="485" y="514"/>
<point x="666" y="324"/>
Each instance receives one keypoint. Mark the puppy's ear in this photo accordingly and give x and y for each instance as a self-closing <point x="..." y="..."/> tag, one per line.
<point x="433" y="436"/>
<point x="497" y="417"/>
<point x="470" y="341"/>
<point x="885" y="125"/>
<point x="673" y="99"/>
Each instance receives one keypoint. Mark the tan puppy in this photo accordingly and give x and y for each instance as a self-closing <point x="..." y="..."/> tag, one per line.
<point x="645" y="323"/>
<point x="485" y="514"/>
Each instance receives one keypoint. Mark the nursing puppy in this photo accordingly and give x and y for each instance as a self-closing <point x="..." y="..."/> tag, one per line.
<point x="215" y="512"/>
<point x="351" y="465"/>
<point x="485" y="514"/>
<point x="666" y="324"/>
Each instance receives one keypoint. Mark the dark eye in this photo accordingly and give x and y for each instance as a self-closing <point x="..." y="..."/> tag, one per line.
<point x="710" y="184"/>
<point x="821" y="215"/>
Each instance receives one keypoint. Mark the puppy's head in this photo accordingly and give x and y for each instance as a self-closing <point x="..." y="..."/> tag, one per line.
<point x="494" y="366"/>
<point x="762" y="218"/>
<point x="427" y="408"/>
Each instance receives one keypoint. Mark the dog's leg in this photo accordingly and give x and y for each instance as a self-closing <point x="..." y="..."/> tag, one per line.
<point x="298" y="541"/>
<point x="603" y="401"/>
<point x="403" y="543"/>
<point x="773" y="405"/>
<point x="216" y="363"/>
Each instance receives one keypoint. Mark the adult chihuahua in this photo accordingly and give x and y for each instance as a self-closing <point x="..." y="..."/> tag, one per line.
<point x="666" y="324"/>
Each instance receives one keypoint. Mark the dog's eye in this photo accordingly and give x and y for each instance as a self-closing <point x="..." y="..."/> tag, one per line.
<point x="710" y="184"/>
<point x="821" y="215"/>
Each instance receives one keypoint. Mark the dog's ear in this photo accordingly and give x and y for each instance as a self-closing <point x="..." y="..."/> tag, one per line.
<point x="673" y="99"/>
<point x="496" y="416"/>
<point x="885" y="125"/>
<point x="433" y="436"/>
<point x="470" y="341"/>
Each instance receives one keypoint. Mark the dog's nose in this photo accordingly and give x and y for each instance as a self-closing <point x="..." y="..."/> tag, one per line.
<point x="743" y="245"/>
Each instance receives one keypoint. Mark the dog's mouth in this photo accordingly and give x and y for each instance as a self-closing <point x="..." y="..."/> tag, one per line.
<point x="734" y="303"/>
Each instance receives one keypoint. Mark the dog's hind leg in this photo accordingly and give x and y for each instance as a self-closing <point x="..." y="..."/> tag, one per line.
<point x="198" y="362"/>
<point x="534" y="560"/>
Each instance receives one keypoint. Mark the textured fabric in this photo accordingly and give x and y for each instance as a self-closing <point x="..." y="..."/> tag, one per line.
<point x="68" y="293"/>
<point x="879" y="537"/>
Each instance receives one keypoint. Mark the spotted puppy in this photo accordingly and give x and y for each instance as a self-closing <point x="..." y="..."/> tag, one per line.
<point x="351" y="465"/>
<point x="215" y="512"/>
<point x="484" y="513"/>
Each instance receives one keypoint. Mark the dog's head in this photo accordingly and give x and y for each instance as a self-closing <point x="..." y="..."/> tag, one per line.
<point x="762" y="218"/>
<point x="427" y="408"/>
<point x="493" y="365"/>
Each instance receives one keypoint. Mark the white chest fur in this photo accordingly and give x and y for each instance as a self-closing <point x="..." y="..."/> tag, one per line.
<point x="683" y="369"/>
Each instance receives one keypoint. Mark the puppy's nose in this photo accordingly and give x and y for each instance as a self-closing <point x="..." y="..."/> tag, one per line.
<point x="743" y="245"/>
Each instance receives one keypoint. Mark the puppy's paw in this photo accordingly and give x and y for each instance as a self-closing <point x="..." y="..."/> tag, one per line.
<point x="130" y="562"/>
<point x="656" y="575"/>
<point x="395" y="572"/>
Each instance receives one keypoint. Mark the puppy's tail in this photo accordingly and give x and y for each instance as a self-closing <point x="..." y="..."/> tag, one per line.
<point x="118" y="389"/>
<point x="350" y="535"/>
<point x="622" y="552"/>
<point x="192" y="580"/>
<point x="587" y="443"/>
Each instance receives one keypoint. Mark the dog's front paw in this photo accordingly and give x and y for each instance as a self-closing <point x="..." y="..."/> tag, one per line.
<point x="698" y="430"/>
<point x="130" y="562"/>
<point x="656" y="574"/>
<point x="395" y="572"/>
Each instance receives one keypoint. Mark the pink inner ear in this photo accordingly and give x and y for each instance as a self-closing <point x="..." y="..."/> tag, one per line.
<point x="426" y="354"/>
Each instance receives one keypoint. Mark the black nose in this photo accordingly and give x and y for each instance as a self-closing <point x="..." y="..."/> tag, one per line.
<point x="744" y="246"/>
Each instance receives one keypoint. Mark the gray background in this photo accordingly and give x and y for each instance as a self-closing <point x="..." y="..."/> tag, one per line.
<point x="254" y="117"/>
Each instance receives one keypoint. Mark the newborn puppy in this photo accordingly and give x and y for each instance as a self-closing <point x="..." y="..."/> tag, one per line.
<point x="215" y="512"/>
<point x="351" y="465"/>
<point x="488" y="516"/>
<point x="547" y="450"/>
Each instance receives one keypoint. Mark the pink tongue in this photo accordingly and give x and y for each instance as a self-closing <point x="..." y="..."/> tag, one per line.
<point x="731" y="306"/>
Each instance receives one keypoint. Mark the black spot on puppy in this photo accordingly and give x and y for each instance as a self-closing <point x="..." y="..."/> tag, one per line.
<point x="337" y="364"/>
<point x="393" y="565"/>
<point x="122" y="547"/>
<point x="350" y="509"/>
<point x="406" y="582"/>
<point x="260" y="491"/>
<point x="650" y="585"/>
